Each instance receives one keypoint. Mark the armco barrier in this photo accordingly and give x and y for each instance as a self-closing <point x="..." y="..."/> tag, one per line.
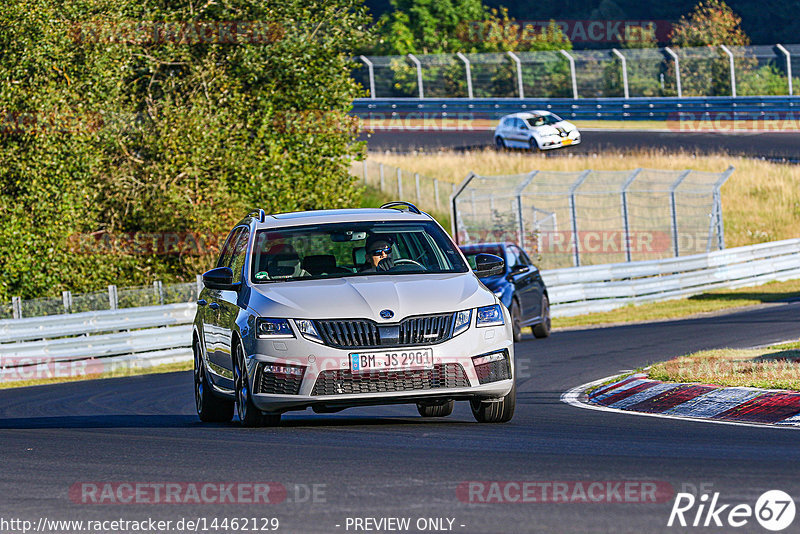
<point x="597" y="288"/>
<point x="155" y="335"/>
<point x="641" y="108"/>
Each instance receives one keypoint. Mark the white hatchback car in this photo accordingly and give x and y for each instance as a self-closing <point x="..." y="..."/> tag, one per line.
<point x="339" y="308"/>
<point x="535" y="130"/>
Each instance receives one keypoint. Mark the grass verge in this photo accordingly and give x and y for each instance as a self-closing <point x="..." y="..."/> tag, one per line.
<point x="117" y="373"/>
<point x="776" y="367"/>
<point x="711" y="301"/>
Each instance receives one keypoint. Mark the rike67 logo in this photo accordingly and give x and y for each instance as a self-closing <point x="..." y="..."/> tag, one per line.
<point x="774" y="510"/>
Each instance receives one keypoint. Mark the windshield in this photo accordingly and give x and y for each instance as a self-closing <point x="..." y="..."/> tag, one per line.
<point x="353" y="249"/>
<point x="544" y="120"/>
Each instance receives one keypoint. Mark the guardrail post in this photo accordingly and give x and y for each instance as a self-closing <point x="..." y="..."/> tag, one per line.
<point x="624" y="71"/>
<point x="574" y="216"/>
<point x="199" y="281"/>
<point x="159" y="291"/>
<point x="674" y="210"/>
<point x="112" y="297"/>
<point x="788" y="64"/>
<point x="380" y="169"/>
<point x="468" y="70"/>
<point x="733" y="69"/>
<point x="572" y="73"/>
<point x="66" y="298"/>
<point x="625" y="221"/>
<point x="516" y="60"/>
<point x="399" y="183"/>
<point x="368" y="63"/>
<point x="677" y="61"/>
<point x="16" y="307"/>
<point x="416" y="180"/>
<point x="413" y="58"/>
<point x="436" y="192"/>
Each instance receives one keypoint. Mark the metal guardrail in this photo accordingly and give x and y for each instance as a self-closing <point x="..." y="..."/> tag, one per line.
<point x="598" y="288"/>
<point x="93" y="342"/>
<point x="379" y="110"/>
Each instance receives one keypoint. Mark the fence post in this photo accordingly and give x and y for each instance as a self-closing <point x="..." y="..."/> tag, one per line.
<point x="436" y="191"/>
<point x="457" y="190"/>
<point x="112" y="297"/>
<point x="159" y="291"/>
<point x="624" y="71"/>
<point x="419" y="74"/>
<point x="365" y="171"/>
<point x="518" y="194"/>
<point x="199" y="280"/>
<point x="574" y="216"/>
<point x="380" y="168"/>
<point x="625" y="221"/>
<point x="572" y="73"/>
<point x="733" y="69"/>
<point x="718" y="205"/>
<point x="399" y="183"/>
<point x="416" y="179"/>
<point x="788" y="64"/>
<point x="368" y="63"/>
<point x="16" y="307"/>
<point x="66" y="298"/>
<point x="674" y="211"/>
<point x="677" y="61"/>
<point x="468" y="69"/>
<point x="516" y="60"/>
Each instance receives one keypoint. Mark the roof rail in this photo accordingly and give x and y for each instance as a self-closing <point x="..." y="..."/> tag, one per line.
<point x="402" y="204"/>
<point x="259" y="213"/>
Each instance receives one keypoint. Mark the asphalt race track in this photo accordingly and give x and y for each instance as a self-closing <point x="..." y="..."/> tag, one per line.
<point x="772" y="145"/>
<point x="388" y="462"/>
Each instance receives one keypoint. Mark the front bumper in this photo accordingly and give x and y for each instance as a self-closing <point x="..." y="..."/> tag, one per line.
<point x="312" y="362"/>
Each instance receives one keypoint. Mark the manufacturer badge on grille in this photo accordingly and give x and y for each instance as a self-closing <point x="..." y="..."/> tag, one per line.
<point x="387" y="314"/>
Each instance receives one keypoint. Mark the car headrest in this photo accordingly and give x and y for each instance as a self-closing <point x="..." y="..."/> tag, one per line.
<point x="319" y="263"/>
<point x="359" y="256"/>
<point x="283" y="266"/>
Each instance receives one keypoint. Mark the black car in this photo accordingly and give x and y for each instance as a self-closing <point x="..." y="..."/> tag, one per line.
<point x="520" y="287"/>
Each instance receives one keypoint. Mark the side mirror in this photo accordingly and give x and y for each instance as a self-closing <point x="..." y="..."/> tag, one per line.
<point x="489" y="265"/>
<point x="219" y="278"/>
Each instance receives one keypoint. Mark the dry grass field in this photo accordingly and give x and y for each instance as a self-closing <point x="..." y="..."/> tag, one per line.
<point x="760" y="202"/>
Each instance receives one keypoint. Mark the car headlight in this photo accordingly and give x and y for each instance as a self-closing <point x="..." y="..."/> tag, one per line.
<point x="462" y="320"/>
<point x="273" y="328"/>
<point x="308" y="330"/>
<point x="490" y="316"/>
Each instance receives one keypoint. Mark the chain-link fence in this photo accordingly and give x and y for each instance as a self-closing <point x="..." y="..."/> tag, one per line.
<point x="112" y="299"/>
<point x="593" y="217"/>
<point x="646" y="72"/>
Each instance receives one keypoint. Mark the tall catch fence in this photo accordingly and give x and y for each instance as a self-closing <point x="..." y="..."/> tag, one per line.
<point x="592" y="217"/>
<point x="639" y="72"/>
<point x="429" y="194"/>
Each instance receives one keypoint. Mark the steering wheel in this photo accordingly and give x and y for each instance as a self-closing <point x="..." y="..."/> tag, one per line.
<point x="409" y="261"/>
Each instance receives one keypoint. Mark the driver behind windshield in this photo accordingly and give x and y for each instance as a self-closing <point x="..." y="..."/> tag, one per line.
<point x="379" y="254"/>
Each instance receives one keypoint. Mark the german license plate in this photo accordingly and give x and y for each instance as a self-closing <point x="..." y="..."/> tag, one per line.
<point x="394" y="360"/>
<point x="566" y="141"/>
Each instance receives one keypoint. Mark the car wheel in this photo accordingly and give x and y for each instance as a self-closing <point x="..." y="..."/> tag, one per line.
<point x="495" y="412"/>
<point x="543" y="329"/>
<point x="249" y="415"/>
<point x="533" y="145"/>
<point x="499" y="143"/>
<point x="436" y="410"/>
<point x="516" y="325"/>
<point x="210" y="408"/>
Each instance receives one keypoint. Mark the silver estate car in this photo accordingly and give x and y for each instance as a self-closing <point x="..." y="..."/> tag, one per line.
<point x="339" y="308"/>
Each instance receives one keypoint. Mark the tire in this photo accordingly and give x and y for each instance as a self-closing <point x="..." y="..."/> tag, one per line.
<point x="436" y="410"/>
<point x="534" y="146"/>
<point x="543" y="329"/>
<point x="499" y="143"/>
<point x="210" y="408"/>
<point x="495" y="412"/>
<point x="516" y="326"/>
<point x="249" y="415"/>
